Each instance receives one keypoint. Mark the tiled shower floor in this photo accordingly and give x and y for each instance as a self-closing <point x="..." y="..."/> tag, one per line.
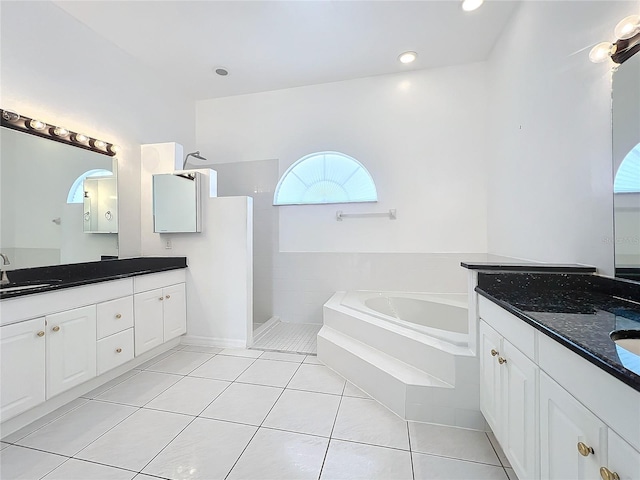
<point x="290" y="337"/>
<point x="203" y="413"/>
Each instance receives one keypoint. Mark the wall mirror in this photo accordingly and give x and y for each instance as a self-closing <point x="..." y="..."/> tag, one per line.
<point x="626" y="168"/>
<point x="42" y="208"/>
<point x="176" y="203"/>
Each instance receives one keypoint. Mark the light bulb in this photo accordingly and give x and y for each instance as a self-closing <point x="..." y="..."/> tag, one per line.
<point x="471" y="5"/>
<point x="81" y="138"/>
<point x="10" y="116"/>
<point x="100" y="144"/>
<point x="37" y="124"/>
<point x="601" y="52"/>
<point x="627" y="27"/>
<point x="60" y="132"/>
<point x="407" y="57"/>
<point x="114" y="148"/>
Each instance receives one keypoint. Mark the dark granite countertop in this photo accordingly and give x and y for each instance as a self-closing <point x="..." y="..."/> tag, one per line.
<point x="529" y="267"/>
<point x="57" y="277"/>
<point x="579" y="311"/>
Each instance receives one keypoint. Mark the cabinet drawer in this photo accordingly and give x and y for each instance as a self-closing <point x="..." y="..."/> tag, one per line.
<point x="115" y="350"/>
<point x="115" y="316"/>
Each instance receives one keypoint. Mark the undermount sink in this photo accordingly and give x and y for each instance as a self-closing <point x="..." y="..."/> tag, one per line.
<point x="627" y="339"/>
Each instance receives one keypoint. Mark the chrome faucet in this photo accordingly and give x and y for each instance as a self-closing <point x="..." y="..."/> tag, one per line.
<point x="4" y="280"/>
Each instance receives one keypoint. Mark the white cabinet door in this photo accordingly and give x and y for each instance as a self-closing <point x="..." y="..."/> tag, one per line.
<point x="149" y="325"/>
<point x="564" y="425"/>
<point x="114" y="350"/>
<point x="71" y="349"/>
<point x="22" y="350"/>
<point x="490" y="383"/>
<point x="623" y="459"/>
<point x="520" y="425"/>
<point x="175" y="311"/>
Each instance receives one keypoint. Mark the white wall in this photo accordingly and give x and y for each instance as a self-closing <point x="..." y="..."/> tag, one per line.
<point x="422" y="137"/>
<point x="56" y="69"/>
<point x="420" y="134"/>
<point x="219" y="277"/>
<point x="550" y="187"/>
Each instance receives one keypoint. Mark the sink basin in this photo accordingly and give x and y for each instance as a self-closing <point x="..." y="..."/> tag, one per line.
<point x="17" y="288"/>
<point x="627" y="339"/>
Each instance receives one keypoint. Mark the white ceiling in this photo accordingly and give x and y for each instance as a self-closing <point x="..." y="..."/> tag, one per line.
<point x="269" y="45"/>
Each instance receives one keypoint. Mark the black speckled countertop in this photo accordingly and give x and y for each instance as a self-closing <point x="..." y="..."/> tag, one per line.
<point x="529" y="267"/>
<point x="57" y="277"/>
<point x="577" y="310"/>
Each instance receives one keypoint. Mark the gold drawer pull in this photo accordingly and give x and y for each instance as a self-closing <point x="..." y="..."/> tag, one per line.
<point x="607" y="474"/>
<point x="167" y="296"/>
<point x="118" y="350"/>
<point x="502" y="361"/>
<point x="494" y="352"/>
<point x="56" y="328"/>
<point x="40" y="333"/>
<point x="118" y="315"/>
<point x="584" y="449"/>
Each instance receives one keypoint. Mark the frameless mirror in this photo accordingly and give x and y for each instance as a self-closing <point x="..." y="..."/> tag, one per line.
<point x="626" y="167"/>
<point x="176" y="203"/>
<point x="42" y="202"/>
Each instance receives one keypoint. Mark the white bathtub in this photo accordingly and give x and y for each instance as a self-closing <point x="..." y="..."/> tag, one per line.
<point x="442" y="316"/>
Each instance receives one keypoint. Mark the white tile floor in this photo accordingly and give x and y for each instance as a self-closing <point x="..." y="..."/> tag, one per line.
<point x="240" y="414"/>
<point x="290" y="337"/>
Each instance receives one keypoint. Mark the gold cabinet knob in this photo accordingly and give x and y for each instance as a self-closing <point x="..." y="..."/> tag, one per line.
<point x="56" y="328"/>
<point x="494" y="352"/>
<point x="584" y="449"/>
<point x="118" y="315"/>
<point x="118" y="350"/>
<point x="161" y="298"/>
<point x="40" y="333"/>
<point x="167" y="296"/>
<point x="607" y="474"/>
<point x="502" y="361"/>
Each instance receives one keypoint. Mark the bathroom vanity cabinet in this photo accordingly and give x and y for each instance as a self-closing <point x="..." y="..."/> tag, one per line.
<point x="555" y="414"/>
<point x="54" y="342"/>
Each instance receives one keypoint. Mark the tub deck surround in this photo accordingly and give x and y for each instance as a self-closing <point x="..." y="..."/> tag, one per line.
<point x="76" y="274"/>
<point x="578" y="311"/>
<point x="417" y="371"/>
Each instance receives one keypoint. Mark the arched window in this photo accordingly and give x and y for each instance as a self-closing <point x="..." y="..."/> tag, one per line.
<point x="325" y="177"/>
<point x="76" y="192"/>
<point x="628" y="175"/>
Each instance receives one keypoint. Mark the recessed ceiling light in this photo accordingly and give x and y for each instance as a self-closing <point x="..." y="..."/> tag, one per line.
<point x="471" y="5"/>
<point x="407" y="57"/>
<point x="223" y="72"/>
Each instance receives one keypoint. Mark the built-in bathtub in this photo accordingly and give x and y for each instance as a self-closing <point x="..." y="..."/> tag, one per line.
<point x="413" y="352"/>
<point x="441" y="316"/>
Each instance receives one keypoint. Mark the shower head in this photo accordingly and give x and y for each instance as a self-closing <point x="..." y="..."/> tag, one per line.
<point x="194" y="155"/>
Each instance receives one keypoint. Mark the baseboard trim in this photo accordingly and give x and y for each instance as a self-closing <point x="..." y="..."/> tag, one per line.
<point x="212" y="342"/>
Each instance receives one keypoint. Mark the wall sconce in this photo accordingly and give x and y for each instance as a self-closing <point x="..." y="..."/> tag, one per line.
<point x="32" y="126"/>
<point x="627" y="32"/>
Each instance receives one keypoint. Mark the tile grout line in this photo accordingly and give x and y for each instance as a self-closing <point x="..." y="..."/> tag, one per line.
<point x="413" y="472"/>
<point x="333" y="426"/>
<point x="261" y="423"/>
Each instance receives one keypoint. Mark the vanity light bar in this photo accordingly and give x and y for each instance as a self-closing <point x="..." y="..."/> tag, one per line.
<point x="627" y="33"/>
<point x="32" y="126"/>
